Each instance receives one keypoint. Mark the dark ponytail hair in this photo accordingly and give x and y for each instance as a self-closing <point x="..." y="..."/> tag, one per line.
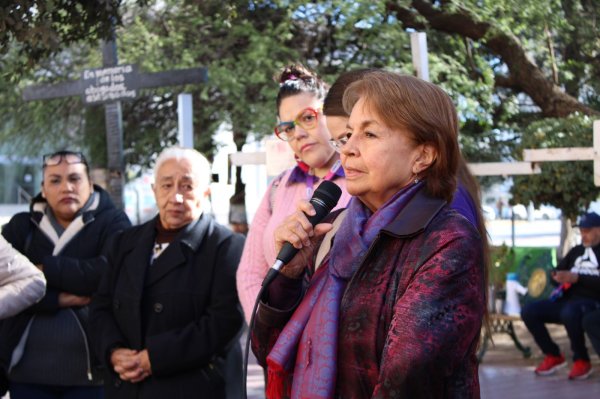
<point x="296" y="79"/>
<point x="333" y="104"/>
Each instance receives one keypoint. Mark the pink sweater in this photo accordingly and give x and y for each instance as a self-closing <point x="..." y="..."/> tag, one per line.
<point x="259" y="250"/>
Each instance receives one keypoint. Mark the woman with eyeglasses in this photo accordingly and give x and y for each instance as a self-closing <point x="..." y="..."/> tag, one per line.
<point x="395" y="307"/>
<point x="302" y="125"/>
<point x="44" y="351"/>
<point x="467" y="194"/>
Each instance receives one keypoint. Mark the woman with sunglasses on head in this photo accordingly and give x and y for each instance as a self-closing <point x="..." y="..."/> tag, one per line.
<point x="44" y="351"/>
<point x="302" y="126"/>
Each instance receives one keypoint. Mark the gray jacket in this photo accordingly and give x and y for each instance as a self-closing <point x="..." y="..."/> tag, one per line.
<point x="21" y="283"/>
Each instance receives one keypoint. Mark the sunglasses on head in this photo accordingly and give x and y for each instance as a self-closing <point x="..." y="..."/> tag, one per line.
<point x="69" y="157"/>
<point x="306" y="119"/>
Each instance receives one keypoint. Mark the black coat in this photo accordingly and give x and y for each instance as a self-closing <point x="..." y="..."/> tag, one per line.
<point x="76" y="269"/>
<point x="183" y="309"/>
<point x="588" y="283"/>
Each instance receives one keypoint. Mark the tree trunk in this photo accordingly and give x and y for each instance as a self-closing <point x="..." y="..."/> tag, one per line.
<point x="524" y="74"/>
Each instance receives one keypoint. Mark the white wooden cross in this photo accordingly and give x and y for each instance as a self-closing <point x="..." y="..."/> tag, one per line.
<point x="504" y="168"/>
<point x="570" y="154"/>
<point x="276" y="161"/>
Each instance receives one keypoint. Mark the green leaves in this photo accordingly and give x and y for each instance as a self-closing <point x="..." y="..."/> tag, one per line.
<point x="494" y="59"/>
<point x="43" y="28"/>
<point x="568" y="186"/>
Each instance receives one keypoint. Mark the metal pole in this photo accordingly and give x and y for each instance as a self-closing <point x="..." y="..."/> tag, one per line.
<point x="512" y="225"/>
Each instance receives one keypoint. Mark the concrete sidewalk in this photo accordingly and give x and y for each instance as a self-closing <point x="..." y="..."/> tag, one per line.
<point x="504" y="373"/>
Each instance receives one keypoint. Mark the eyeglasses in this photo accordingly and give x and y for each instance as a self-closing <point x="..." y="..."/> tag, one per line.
<point x="306" y="119"/>
<point x="69" y="157"/>
<point x="340" y="142"/>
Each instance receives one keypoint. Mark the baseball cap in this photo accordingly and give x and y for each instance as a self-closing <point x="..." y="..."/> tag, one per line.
<point x="590" y="219"/>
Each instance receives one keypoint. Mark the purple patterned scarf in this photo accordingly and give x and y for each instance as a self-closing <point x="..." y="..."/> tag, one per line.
<point x="308" y="344"/>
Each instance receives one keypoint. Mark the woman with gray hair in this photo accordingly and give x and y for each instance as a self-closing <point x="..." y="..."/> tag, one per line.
<point x="167" y="314"/>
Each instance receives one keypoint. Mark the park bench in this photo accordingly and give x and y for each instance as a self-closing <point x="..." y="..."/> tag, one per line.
<point x="533" y="267"/>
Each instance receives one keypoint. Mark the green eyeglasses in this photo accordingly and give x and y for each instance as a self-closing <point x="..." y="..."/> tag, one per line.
<point x="307" y="119"/>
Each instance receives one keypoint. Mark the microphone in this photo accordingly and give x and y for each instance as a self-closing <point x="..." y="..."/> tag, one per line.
<point x="323" y="200"/>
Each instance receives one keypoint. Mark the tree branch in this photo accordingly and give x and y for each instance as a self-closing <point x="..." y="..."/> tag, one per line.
<point x="524" y="73"/>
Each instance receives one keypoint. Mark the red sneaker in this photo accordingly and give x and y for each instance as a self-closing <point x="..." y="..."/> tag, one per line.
<point x="581" y="370"/>
<point x="550" y="364"/>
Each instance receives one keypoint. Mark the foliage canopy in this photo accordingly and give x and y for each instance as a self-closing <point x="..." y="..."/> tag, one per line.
<point x="514" y="68"/>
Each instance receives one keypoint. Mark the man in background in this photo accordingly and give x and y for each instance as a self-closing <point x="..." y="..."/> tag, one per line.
<point x="577" y="278"/>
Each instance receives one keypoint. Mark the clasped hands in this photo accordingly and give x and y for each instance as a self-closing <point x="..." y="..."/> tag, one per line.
<point x="297" y="230"/>
<point x="131" y="365"/>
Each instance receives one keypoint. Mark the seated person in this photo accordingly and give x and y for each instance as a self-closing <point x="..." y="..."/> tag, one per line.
<point x="578" y="279"/>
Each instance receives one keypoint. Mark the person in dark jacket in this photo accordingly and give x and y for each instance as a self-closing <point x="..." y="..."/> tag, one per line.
<point x="577" y="280"/>
<point x="167" y="313"/>
<point x="45" y="350"/>
<point x="395" y="306"/>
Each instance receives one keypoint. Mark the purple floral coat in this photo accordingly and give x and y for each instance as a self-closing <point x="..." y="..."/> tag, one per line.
<point x="412" y="313"/>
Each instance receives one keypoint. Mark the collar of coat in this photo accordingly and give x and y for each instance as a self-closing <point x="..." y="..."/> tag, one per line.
<point x="416" y="215"/>
<point x="39" y="217"/>
<point x="103" y="201"/>
<point x="412" y="220"/>
<point x="191" y="236"/>
<point x="140" y="248"/>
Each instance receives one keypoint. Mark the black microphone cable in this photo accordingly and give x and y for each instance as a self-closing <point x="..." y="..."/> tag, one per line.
<point x="247" y="347"/>
<point x="324" y="199"/>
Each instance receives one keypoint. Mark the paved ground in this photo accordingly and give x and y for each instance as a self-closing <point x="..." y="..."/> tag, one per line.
<point x="504" y="373"/>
